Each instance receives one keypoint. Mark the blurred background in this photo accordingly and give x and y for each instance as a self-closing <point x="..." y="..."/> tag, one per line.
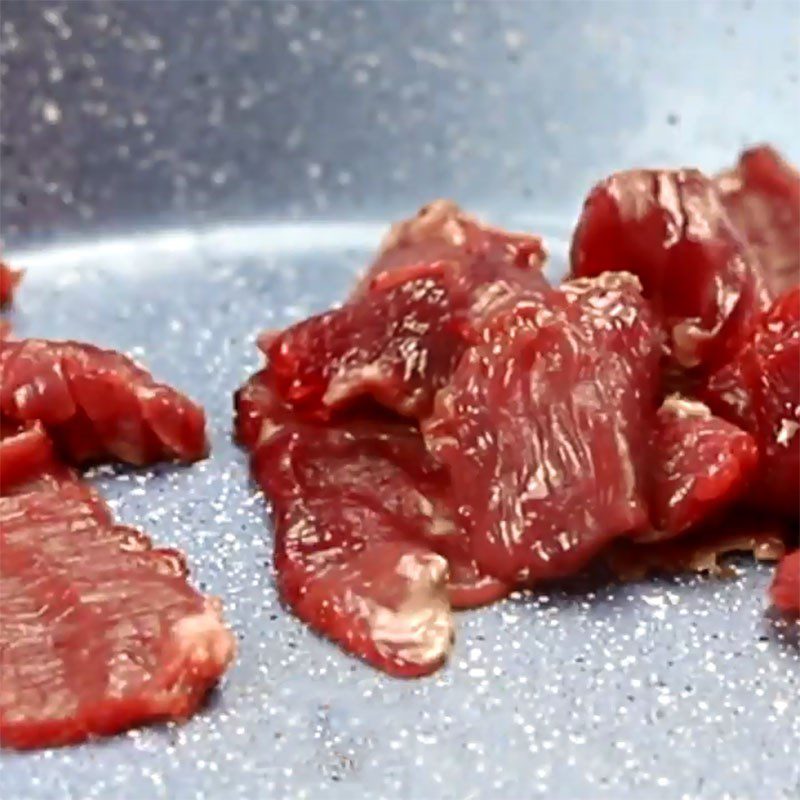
<point x="130" y="116"/>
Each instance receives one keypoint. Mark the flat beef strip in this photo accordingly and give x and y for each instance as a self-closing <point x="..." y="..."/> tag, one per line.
<point x="400" y="335"/>
<point x="99" y="632"/>
<point x="762" y="198"/>
<point x="759" y="390"/>
<point x="545" y="429"/>
<point x="366" y="548"/>
<point x="26" y="453"/>
<point x="97" y="404"/>
<point x="442" y="232"/>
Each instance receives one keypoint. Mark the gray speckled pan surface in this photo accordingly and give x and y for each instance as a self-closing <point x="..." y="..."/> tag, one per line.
<point x="177" y="176"/>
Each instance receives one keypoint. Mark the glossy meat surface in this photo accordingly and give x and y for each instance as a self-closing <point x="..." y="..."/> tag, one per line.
<point x="785" y="589"/>
<point x="399" y="337"/>
<point x="762" y="198"/>
<point x="544" y="428"/>
<point x="442" y="232"/>
<point x="346" y="516"/>
<point x="398" y="344"/>
<point x="759" y="390"/>
<point x="700" y="465"/>
<point x="551" y="433"/>
<point x="25" y="453"/>
<point x="9" y="280"/>
<point x="366" y="551"/>
<point x="670" y="229"/>
<point x="98" y="631"/>
<point x="97" y="404"/>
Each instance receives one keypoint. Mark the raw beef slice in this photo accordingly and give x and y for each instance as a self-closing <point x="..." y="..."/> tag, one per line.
<point x="785" y="590"/>
<point x="25" y="452"/>
<point x="366" y="549"/>
<point x="759" y="390"/>
<point x="762" y="197"/>
<point x="97" y="404"/>
<point x="28" y="463"/>
<point x="98" y="631"/>
<point x="670" y="229"/>
<point x="700" y="464"/>
<point x="401" y="334"/>
<point x="544" y="428"/>
<point x="260" y="413"/>
<point x="9" y="279"/>
<point x="442" y="232"/>
<point x="398" y="344"/>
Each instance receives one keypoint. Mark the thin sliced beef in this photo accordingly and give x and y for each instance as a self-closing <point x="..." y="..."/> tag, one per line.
<point x="9" y="280"/>
<point x="260" y="413"/>
<point x="29" y="463"/>
<point x="97" y="404"/>
<point x="670" y="229"/>
<point x="442" y="232"/>
<point x="785" y="589"/>
<point x="759" y="390"/>
<point x="704" y="550"/>
<point x="25" y="453"/>
<point x="362" y="520"/>
<point x="400" y="336"/>
<point x="98" y="631"/>
<point x="544" y="428"/>
<point x="398" y="344"/>
<point x="700" y="465"/>
<point x="762" y="198"/>
<point x="346" y="519"/>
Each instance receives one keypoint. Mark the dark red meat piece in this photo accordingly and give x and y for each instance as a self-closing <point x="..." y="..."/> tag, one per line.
<point x="97" y="404"/>
<point x="700" y="465"/>
<point x="98" y="631"/>
<point x="759" y="390"/>
<point x="785" y="590"/>
<point x="762" y="198"/>
<point x="362" y="520"/>
<point x="544" y="428"/>
<point x="24" y="454"/>
<point x="442" y="232"/>
<point x="346" y="520"/>
<point x="261" y="413"/>
<point x="399" y="344"/>
<point x="9" y="279"/>
<point x="670" y="229"/>
<point x="400" y="336"/>
<point x="257" y="409"/>
<point x="29" y="463"/>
